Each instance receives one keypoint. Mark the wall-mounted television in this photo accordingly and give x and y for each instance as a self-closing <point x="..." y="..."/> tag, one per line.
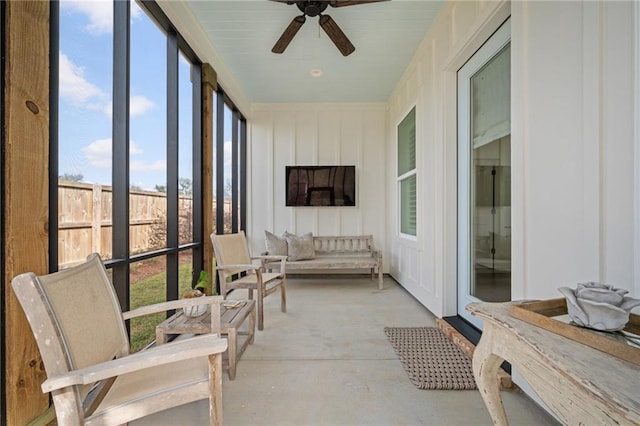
<point x="320" y="186"/>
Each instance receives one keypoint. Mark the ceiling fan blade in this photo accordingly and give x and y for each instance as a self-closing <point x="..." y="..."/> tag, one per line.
<point x="288" y="34"/>
<point x="284" y="1"/>
<point x="341" y="3"/>
<point x="336" y="35"/>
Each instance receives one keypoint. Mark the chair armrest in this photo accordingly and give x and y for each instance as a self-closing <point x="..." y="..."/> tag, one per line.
<point x="266" y="258"/>
<point x="242" y="266"/>
<point x="170" y="305"/>
<point x="270" y="257"/>
<point x="375" y="252"/>
<point x="198" y="346"/>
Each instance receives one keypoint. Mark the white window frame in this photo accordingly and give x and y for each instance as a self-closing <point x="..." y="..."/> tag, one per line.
<point x="407" y="175"/>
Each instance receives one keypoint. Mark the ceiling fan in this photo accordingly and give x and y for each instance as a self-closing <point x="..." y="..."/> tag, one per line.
<point x="313" y="9"/>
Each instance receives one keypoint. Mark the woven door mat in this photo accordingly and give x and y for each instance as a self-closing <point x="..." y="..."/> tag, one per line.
<point x="431" y="360"/>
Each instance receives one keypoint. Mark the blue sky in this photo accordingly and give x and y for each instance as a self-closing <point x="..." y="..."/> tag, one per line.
<point x="85" y="108"/>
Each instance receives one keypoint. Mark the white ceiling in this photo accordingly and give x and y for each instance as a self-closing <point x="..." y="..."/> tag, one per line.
<point x="385" y="34"/>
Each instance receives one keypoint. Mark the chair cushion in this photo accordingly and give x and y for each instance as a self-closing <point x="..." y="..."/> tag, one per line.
<point x="299" y="247"/>
<point x="159" y="383"/>
<point x="276" y="246"/>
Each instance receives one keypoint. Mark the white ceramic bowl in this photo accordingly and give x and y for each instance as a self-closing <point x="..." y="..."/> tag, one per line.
<point x="195" y="311"/>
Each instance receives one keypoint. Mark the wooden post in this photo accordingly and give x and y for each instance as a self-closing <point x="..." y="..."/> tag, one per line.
<point x="209" y="85"/>
<point x="26" y="185"/>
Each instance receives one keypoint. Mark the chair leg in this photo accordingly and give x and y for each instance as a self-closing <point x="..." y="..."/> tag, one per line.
<point x="223" y="287"/>
<point x="215" y="389"/>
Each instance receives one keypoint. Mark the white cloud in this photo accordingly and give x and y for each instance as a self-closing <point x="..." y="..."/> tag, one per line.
<point x="138" y="105"/>
<point x="98" y="153"/>
<point x="227" y="154"/>
<point x="74" y="88"/>
<point x="134" y="149"/>
<point x="143" y="166"/>
<point x="135" y="10"/>
<point x="99" y="13"/>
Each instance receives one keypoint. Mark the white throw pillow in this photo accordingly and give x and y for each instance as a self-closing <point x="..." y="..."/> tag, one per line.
<point x="299" y="247"/>
<point x="276" y="246"/>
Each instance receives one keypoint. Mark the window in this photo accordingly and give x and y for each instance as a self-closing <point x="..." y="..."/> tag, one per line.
<point x="84" y="110"/>
<point x="229" y="158"/>
<point x="407" y="182"/>
<point x="129" y="151"/>
<point x="185" y="153"/>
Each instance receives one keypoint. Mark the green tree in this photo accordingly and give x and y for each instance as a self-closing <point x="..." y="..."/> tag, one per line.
<point x="185" y="187"/>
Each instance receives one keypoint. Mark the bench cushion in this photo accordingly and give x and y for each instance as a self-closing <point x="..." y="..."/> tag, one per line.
<point x="299" y="247"/>
<point x="276" y="246"/>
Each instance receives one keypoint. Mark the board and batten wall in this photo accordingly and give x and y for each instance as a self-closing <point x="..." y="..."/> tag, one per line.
<point x="281" y="135"/>
<point x="574" y="130"/>
<point x="575" y="147"/>
<point x="426" y="265"/>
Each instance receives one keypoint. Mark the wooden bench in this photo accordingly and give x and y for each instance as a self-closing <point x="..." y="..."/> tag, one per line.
<point x="340" y="253"/>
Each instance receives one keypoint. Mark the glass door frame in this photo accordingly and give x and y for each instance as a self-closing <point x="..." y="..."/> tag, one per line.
<point x="489" y="49"/>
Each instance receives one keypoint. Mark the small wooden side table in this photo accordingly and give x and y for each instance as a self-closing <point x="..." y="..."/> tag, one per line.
<point x="232" y="315"/>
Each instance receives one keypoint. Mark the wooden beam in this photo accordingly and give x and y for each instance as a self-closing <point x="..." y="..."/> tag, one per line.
<point x="209" y="77"/>
<point x="26" y="209"/>
<point x="209" y="85"/>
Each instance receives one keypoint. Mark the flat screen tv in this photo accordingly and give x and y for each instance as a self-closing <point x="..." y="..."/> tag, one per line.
<point x="316" y="186"/>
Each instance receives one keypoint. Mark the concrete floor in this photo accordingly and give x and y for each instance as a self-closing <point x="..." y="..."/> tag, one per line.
<point x="327" y="362"/>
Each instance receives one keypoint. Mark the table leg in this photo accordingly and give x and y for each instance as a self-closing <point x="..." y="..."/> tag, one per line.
<point x="161" y="337"/>
<point x="485" y="369"/>
<point x="283" y="294"/>
<point x="252" y="324"/>
<point x="260" y="308"/>
<point x="232" y="350"/>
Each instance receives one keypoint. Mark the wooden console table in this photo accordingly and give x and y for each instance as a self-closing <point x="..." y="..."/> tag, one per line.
<point x="582" y="385"/>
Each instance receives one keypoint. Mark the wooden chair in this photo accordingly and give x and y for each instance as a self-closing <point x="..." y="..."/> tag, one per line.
<point x="80" y="330"/>
<point x="236" y="270"/>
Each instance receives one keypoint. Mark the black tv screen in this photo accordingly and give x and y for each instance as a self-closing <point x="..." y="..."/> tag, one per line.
<point x="321" y="186"/>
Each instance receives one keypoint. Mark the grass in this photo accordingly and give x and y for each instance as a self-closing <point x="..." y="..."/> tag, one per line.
<point x="146" y="292"/>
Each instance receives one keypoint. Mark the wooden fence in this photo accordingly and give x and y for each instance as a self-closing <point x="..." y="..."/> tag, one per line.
<point x="85" y="226"/>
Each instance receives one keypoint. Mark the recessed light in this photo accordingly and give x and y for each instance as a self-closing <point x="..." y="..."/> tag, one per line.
<point x="316" y="72"/>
